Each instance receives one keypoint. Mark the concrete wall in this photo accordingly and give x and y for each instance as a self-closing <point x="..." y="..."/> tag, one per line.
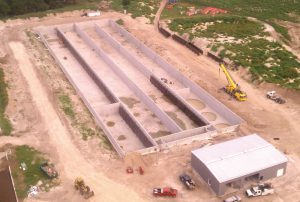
<point x="213" y="103"/>
<point x="165" y="119"/>
<point x="180" y="103"/>
<point x="91" y="109"/>
<point x="140" y="132"/>
<point x="109" y="94"/>
<point x="131" y="58"/>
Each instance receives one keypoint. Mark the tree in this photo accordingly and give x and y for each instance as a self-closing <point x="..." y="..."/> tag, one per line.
<point x="125" y="3"/>
<point x="4" y="8"/>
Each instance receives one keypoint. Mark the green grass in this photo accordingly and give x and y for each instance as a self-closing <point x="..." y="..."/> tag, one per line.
<point x="257" y="53"/>
<point x="80" y="5"/>
<point x="261" y="9"/>
<point x="86" y="132"/>
<point x="120" y="22"/>
<point x="234" y="26"/>
<point x="146" y="8"/>
<point x="23" y="179"/>
<point x="281" y="30"/>
<point x="266" y="10"/>
<point x="267" y="61"/>
<point x="67" y="106"/>
<point x="5" y="124"/>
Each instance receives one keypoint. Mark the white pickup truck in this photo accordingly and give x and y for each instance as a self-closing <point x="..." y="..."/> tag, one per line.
<point x="260" y="190"/>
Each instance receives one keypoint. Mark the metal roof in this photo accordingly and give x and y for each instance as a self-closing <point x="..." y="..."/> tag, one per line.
<point x="239" y="157"/>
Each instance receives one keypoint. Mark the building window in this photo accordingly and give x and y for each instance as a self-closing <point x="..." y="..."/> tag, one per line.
<point x="208" y="182"/>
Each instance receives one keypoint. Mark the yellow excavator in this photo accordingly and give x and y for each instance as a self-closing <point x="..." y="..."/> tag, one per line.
<point x="232" y="88"/>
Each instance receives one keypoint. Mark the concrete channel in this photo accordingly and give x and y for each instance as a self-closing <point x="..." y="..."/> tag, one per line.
<point x="141" y="102"/>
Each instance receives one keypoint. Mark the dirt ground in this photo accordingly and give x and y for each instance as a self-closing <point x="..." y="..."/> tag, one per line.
<point x="39" y="122"/>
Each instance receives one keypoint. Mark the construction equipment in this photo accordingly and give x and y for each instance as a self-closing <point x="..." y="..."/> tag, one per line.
<point x="272" y="95"/>
<point x="260" y="190"/>
<point x="129" y="170"/>
<point x="232" y="88"/>
<point x="49" y="170"/>
<point x="187" y="181"/>
<point x="166" y="191"/>
<point x="234" y="198"/>
<point x="83" y="189"/>
<point x="141" y="170"/>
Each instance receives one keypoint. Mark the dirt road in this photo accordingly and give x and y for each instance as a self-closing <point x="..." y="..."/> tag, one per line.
<point x="162" y="5"/>
<point x="106" y="175"/>
<point x="74" y="163"/>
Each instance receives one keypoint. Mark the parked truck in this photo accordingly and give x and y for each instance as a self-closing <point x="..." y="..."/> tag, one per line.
<point x="166" y="191"/>
<point x="272" y="95"/>
<point x="187" y="181"/>
<point x="260" y="190"/>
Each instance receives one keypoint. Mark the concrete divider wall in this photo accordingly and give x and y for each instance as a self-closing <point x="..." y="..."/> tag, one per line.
<point x="131" y="58"/>
<point x="189" y="111"/>
<point x="87" y="103"/>
<point x="147" y="51"/>
<point x="140" y="132"/>
<point x="168" y="122"/>
<point x="149" y="150"/>
<point x="126" y="115"/>
<point x="190" y="139"/>
<point x="209" y="100"/>
<point x="108" y="93"/>
<point x="183" y="134"/>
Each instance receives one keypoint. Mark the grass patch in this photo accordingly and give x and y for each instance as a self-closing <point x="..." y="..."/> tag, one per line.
<point x="281" y="30"/>
<point x="120" y="22"/>
<point x="67" y="106"/>
<point x="146" y="8"/>
<point x="5" y="124"/>
<point x="86" y="132"/>
<point x="267" y="61"/>
<point x="243" y="41"/>
<point x="211" y="27"/>
<point x="263" y="10"/>
<point x="105" y="143"/>
<point x="24" y="179"/>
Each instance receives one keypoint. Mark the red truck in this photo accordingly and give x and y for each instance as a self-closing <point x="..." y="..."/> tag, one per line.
<point x="166" y="191"/>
